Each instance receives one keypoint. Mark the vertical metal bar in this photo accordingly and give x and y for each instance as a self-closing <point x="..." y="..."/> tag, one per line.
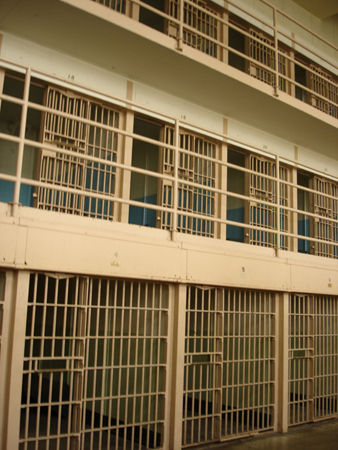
<point x="178" y="367"/>
<point x="275" y="33"/>
<point x="175" y="181"/>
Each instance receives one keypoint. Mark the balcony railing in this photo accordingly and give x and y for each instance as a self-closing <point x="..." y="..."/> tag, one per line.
<point x="67" y="152"/>
<point x="272" y="47"/>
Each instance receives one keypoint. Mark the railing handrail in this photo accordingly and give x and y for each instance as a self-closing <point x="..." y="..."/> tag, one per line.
<point x="151" y="112"/>
<point x="275" y="204"/>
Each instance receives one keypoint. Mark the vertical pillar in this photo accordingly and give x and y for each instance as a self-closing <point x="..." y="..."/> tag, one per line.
<point x="126" y="152"/>
<point x="224" y="35"/>
<point x="16" y="298"/>
<point x="294" y="205"/>
<point x="247" y="203"/>
<point x="175" y="430"/>
<point x="282" y="373"/>
<point x="278" y="210"/>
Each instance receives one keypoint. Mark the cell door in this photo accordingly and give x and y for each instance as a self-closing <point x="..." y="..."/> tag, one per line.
<point x="248" y="382"/>
<point x="229" y="369"/>
<point x="195" y="165"/>
<point x="53" y="363"/>
<point x="263" y="189"/>
<point x="324" y="225"/>
<point x="202" y="368"/>
<point x="124" y="395"/>
<point x="59" y="169"/>
<point x="97" y="139"/>
<point x="325" y="357"/>
<point x="95" y="364"/>
<point x="300" y="359"/>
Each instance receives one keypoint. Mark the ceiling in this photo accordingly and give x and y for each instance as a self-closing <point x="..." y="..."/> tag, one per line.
<point x="323" y="9"/>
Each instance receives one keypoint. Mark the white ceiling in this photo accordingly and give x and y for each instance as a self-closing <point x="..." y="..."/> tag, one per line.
<point x="323" y="9"/>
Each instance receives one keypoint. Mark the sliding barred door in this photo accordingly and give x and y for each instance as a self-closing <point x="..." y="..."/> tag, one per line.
<point x="95" y="364"/>
<point x="100" y="177"/>
<point x="53" y="364"/>
<point x="325" y="357"/>
<point x="300" y="359"/>
<point x="202" y="367"/>
<point x="263" y="208"/>
<point x="325" y="206"/>
<point x="248" y="388"/>
<point x="126" y="363"/>
<point x="59" y="169"/>
<point x="195" y="165"/>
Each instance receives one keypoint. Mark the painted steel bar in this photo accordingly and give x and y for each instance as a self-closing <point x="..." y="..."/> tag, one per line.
<point x="19" y="164"/>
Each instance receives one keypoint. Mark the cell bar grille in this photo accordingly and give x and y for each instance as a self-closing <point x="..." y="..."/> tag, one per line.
<point x="95" y="364"/>
<point x="56" y="168"/>
<point x="323" y="84"/>
<point x="325" y="357"/>
<point x="300" y="359"/>
<point x="229" y="372"/>
<point x="53" y="364"/>
<point x="248" y="362"/>
<point x="99" y="177"/>
<point x="262" y="215"/>
<point x="72" y="171"/>
<point x="194" y="169"/>
<point x="202" y="368"/>
<point x="126" y="360"/>
<point x="326" y="208"/>
<point x="203" y="21"/>
<point x="260" y="51"/>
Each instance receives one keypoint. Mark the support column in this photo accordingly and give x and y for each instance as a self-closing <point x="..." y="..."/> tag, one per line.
<point x="13" y="345"/>
<point x="175" y="430"/>
<point x="282" y="375"/>
<point x="126" y="152"/>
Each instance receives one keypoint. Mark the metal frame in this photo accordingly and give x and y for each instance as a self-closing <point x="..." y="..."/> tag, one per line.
<point x="95" y="365"/>
<point x="88" y="178"/>
<point x="229" y="382"/>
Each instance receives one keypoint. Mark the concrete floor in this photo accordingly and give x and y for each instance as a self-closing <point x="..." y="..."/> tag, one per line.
<point x="315" y="436"/>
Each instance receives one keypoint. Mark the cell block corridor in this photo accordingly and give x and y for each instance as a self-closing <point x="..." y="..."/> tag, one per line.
<point x="196" y="169"/>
